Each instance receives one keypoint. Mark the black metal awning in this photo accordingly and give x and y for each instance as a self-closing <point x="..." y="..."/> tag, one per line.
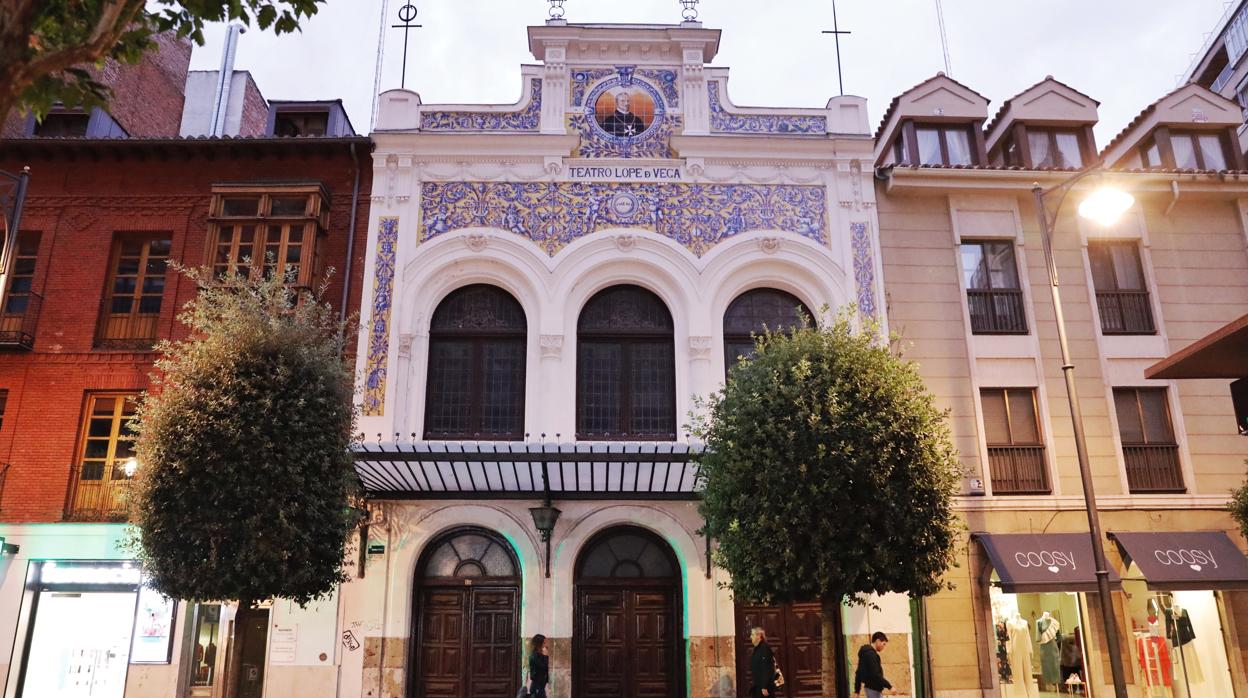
<point x="638" y="470"/>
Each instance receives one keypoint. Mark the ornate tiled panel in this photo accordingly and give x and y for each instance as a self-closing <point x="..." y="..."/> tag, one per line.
<point x="864" y="268"/>
<point x="724" y="122"/>
<point x="379" y="331"/>
<point x="554" y="214"/>
<point x="527" y="119"/>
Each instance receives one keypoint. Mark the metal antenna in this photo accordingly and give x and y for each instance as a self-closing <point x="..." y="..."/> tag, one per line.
<point x="944" y="40"/>
<point x="381" y="52"/>
<point x="836" y="32"/>
<point x="406" y="14"/>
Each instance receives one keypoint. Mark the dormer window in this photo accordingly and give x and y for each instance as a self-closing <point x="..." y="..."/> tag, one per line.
<point x="63" y="125"/>
<point x="301" y="123"/>
<point x="935" y="144"/>
<point x="1186" y="150"/>
<point x="1053" y="148"/>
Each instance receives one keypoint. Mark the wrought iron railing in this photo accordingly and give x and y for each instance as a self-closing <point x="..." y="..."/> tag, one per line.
<point x="1018" y="470"/>
<point x="1125" y="312"/>
<point x="97" y="493"/>
<point x="126" y="330"/>
<point x="997" y="311"/>
<point x="1153" y="467"/>
<point x="19" y="320"/>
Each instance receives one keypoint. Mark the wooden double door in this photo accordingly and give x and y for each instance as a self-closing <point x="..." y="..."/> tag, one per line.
<point x="468" y="644"/>
<point x="627" y="641"/>
<point x="795" y="634"/>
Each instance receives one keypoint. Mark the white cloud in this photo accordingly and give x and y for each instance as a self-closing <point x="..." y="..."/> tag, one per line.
<point x="1124" y="53"/>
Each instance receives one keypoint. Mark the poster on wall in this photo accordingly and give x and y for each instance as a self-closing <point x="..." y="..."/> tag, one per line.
<point x="153" y="628"/>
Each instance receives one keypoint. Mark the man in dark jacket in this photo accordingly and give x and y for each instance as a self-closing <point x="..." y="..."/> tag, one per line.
<point x="870" y="673"/>
<point x="762" y="666"/>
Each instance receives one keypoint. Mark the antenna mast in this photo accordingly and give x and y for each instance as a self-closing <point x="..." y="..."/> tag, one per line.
<point x="944" y="40"/>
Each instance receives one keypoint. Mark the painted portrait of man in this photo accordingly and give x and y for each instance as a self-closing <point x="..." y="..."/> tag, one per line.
<point x="624" y="113"/>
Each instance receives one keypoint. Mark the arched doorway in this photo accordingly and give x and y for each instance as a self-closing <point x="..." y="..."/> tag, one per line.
<point x="467" y="618"/>
<point x="628" y="638"/>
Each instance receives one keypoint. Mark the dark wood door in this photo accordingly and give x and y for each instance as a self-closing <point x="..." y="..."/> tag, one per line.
<point x="795" y="635"/>
<point x="467" y="646"/>
<point x="252" y="630"/>
<point x="626" y="643"/>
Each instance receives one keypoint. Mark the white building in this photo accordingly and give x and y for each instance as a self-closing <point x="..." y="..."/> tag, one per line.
<point x="562" y="276"/>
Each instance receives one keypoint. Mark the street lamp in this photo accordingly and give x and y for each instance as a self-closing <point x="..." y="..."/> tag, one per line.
<point x="130" y="466"/>
<point x="1105" y="206"/>
<point x="544" y="519"/>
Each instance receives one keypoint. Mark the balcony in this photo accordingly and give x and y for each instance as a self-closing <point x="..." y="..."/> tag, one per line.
<point x="997" y="311"/>
<point x="97" y="493"/>
<point x="1125" y="312"/>
<point x="127" y="331"/>
<point x="1153" y="468"/>
<point x="1018" y="470"/>
<point x="18" y="322"/>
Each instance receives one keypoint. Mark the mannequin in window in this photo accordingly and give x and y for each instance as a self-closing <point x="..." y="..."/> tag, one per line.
<point x="1020" y="653"/>
<point x="1181" y="633"/>
<point x="1048" y="631"/>
<point x="1072" y="659"/>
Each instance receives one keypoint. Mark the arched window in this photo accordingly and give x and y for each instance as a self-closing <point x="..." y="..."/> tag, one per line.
<point x="468" y="554"/>
<point x="625" y="367"/>
<point x="627" y="552"/>
<point x="476" y="366"/>
<point x="755" y="310"/>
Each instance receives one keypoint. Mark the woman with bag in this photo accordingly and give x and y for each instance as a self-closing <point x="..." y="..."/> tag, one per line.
<point x="539" y="668"/>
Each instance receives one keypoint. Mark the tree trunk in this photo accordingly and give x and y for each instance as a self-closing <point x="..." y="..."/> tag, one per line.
<point x="835" y="678"/>
<point x="234" y="659"/>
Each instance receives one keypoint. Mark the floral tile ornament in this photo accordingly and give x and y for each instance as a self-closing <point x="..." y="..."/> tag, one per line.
<point x="864" y="268"/>
<point x="582" y="79"/>
<point x="555" y="214"/>
<point x="527" y="119"/>
<point x="379" y="330"/>
<point x="724" y="122"/>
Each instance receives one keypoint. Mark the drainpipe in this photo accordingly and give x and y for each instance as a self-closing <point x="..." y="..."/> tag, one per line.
<point x="225" y="77"/>
<point x="355" y="201"/>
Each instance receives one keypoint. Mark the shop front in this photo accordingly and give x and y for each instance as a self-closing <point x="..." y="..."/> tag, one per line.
<point x="1177" y="616"/>
<point x="1037" y="607"/>
<point x="66" y="657"/>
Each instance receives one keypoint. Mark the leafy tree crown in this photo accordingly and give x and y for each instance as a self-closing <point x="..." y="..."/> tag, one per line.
<point x="245" y="478"/>
<point x="828" y="470"/>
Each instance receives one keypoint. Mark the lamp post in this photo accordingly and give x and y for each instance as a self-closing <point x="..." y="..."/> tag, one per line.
<point x="544" y="519"/>
<point x="1105" y="205"/>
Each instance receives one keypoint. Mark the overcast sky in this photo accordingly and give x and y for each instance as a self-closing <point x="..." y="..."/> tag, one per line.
<point x="1124" y="53"/>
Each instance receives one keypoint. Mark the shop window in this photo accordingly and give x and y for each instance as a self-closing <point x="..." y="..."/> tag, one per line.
<point x="1149" y="449"/>
<point x="206" y="632"/>
<point x="477" y="355"/>
<point x="135" y="291"/>
<point x="755" y="312"/>
<point x="993" y="295"/>
<point x="1176" y="641"/>
<point x="1121" y="293"/>
<point x="264" y="231"/>
<point x="625" y="367"/>
<point x="1053" y="148"/>
<point x="1015" y="449"/>
<point x="1039" y="643"/>
<point x="101" y="477"/>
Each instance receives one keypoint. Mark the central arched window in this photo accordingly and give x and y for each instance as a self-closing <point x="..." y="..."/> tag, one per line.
<point x="625" y="367"/>
<point x="754" y="311"/>
<point x="477" y="343"/>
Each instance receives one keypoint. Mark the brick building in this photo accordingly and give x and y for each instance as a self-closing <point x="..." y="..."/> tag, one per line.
<point x="90" y="291"/>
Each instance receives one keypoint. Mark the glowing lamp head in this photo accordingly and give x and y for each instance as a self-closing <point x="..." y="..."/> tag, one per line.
<point x="130" y="466"/>
<point x="1106" y="205"/>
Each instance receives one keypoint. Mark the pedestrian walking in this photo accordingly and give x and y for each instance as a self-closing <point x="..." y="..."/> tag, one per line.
<point x="539" y="666"/>
<point x="762" y="666"/>
<point x="870" y="672"/>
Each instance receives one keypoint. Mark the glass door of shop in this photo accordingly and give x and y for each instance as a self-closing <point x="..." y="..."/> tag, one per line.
<point x="1177" y="642"/>
<point x="79" y="645"/>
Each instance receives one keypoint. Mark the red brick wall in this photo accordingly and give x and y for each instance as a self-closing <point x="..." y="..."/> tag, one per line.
<point x="78" y="205"/>
<point x="147" y="97"/>
<point x="255" y="119"/>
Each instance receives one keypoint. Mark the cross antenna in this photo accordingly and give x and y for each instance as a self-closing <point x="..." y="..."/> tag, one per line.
<point x="407" y="13"/>
<point x="836" y="32"/>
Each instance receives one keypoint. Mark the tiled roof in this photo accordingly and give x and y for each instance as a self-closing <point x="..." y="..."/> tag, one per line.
<point x="1016" y="168"/>
<point x="892" y="106"/>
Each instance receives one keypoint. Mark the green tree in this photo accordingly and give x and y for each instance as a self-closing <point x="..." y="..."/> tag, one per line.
<point x="245" y="480"/>
<point x="1238" y="506"/>
<point x="828" y="474"/>
<point x="48" y="46"/>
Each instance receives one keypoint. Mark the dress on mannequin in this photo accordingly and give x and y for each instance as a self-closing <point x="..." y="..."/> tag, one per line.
<point x="1048" y="629"/>
<point x="1179" y="630"/>
<point x="1020" y="656"/>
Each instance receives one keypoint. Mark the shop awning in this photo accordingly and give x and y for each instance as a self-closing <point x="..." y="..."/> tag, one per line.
<point x="528" y="470"/>
<point x="1221" y="354"/>
<point x="1187" y="560"/>
<point x="1042" y="562"/>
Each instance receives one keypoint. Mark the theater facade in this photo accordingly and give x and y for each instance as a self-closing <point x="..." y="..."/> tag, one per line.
<point x="548" y="287"/>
